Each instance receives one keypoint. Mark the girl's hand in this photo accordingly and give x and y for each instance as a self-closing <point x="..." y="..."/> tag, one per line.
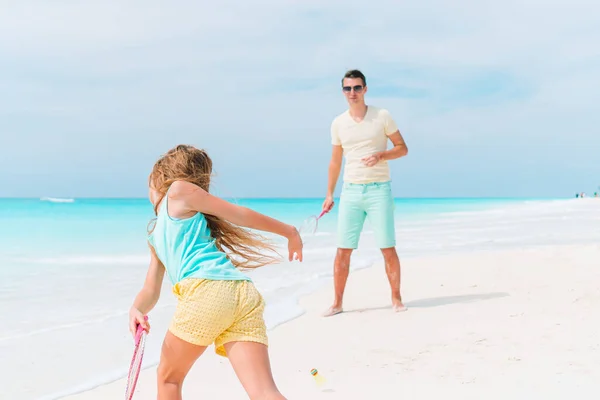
<point x="137" y="318"/>
<point x="295" y="246"/>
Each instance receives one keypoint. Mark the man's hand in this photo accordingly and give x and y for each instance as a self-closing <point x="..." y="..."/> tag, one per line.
<point x="372" y="159"/>
<point x="328" y="203"/>
<point x="399" y="150"/>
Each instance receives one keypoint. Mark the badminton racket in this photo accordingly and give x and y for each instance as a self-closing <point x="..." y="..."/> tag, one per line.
<point x="310" y="225"/>
<point x="136" y="360"/>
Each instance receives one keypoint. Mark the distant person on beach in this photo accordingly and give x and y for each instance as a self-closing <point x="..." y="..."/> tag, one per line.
<point x="198" y="240"/>
<point x="361" y="134"/>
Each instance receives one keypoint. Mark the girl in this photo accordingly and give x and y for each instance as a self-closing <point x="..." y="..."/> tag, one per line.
<point x="197" y="240"/>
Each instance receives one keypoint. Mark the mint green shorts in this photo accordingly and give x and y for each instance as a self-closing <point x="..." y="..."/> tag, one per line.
<point x="373" y="201"/>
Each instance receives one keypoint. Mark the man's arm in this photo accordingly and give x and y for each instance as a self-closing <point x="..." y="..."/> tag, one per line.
<point x="399" y="150"/>
<point x="335" y="166"/>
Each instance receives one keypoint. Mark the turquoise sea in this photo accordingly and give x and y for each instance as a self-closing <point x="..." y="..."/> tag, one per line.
<point x="65" y="228"/>
<point x="70" y="268"/>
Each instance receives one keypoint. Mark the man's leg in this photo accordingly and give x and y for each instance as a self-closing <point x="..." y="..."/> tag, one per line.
<point x="380" y="212"/>
<point x="351" y="217"/>
<point x="392" y="269"/>
<point x="341" y="269"/>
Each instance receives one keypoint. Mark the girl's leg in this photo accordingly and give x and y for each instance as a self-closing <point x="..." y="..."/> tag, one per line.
<point x="176" y="359"/>
<point x="250" y="361"/>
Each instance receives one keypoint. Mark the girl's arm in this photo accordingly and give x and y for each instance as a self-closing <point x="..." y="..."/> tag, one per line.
<point x="194" y="198"/>
<point x="149" y="294"/>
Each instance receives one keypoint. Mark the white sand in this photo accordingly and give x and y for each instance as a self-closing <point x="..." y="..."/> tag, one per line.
<point x="487" y="325"/>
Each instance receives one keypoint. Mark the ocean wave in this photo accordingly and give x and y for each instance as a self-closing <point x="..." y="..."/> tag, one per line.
<point x="85" y="260"/>
<point x="57" y="200"/>
<point x="103" y="379"/>
<point x="98" y="319"/>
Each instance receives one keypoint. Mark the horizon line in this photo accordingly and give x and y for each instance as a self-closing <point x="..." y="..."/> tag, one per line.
<point x="273" y="197"/>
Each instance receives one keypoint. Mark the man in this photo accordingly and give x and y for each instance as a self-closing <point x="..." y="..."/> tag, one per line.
<point x="360" y="134"/>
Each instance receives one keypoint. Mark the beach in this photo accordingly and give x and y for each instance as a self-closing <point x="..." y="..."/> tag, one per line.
<point x="501" y="296"/>
<point x="490" y="324"/>
<point x="464" y="137"/>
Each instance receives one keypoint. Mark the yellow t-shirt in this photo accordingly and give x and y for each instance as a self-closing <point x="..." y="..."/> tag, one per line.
<point x="361" y="139"/>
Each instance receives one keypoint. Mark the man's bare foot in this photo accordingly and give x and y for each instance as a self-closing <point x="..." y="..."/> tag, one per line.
<point x="398" y="306"/>
<point x="333" y="310"/>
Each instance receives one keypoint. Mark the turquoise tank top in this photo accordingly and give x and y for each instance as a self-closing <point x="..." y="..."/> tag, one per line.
<point x="187" y="250"/>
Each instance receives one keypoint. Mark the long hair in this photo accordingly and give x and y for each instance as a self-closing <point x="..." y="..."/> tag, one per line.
<point x="244" y="248"/>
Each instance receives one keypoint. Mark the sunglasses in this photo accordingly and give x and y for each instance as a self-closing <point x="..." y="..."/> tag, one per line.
<point x="357" y="88"/>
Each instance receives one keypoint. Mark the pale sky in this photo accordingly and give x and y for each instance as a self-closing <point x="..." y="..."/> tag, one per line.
<point x="493" y="98"/>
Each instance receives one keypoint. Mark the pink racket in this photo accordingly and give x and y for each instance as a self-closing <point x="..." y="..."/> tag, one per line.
<point x="136" y="361"/>
<point x="310" y="225"/>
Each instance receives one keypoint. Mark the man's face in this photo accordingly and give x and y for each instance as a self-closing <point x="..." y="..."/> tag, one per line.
<point x="354" y="90"/>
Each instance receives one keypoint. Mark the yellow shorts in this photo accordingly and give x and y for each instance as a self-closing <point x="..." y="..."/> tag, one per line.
<point x="212" y="311"/>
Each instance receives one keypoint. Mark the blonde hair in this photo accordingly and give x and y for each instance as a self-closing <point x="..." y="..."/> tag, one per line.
<point x="244" y="248"/>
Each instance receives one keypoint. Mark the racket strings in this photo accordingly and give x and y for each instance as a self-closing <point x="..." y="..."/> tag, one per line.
<point x="308" y="228"/>
<point x="135" y="367"/>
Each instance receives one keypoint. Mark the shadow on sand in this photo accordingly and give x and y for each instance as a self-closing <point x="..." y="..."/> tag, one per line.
<point x="437" y="301"/>
<point x="445" y="300"/>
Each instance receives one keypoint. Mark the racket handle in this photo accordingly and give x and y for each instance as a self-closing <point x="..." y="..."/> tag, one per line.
<point x="140" y="330"/>
<point x="139" y="327"/>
